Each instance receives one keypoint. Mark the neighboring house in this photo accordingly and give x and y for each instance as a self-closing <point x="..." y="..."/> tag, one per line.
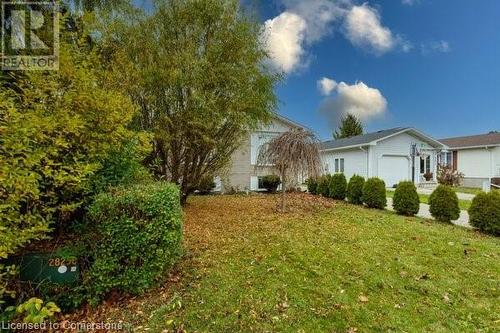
<point x="477" y="157"/>
<point x="393" y="155"/>
<point x="243" y="175"/>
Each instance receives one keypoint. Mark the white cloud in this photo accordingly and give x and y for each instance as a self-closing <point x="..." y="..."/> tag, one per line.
<point x="364" y="29"/>
<point x="284" y="37"/>
<point x="303" y="23"/>
<point x="435" y="46"/>
<point x="409" y="2"/>
<point x="326" y="86"/>
<point x="358" y="99"/>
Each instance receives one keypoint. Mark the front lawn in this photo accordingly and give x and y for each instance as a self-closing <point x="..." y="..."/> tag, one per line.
<point x="324" y="267"/>
<point x="468" y="190"/>
<point x="424" y="198"/>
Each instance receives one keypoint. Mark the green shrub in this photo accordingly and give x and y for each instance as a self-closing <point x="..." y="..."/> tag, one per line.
<point x="312" y="185"/>
<point x="338" y="186"/>
<point x="271" y="182"/>
<point x="374" y="193"/>
<point x="136" y="236"/>
<point x="324" y="185"/>
<point x="355" y="190"/>
<point x="406" y="200"/>
<point x="444" y="204"/>
<point x="206" y="186"/>
<point x="484" y="212"/>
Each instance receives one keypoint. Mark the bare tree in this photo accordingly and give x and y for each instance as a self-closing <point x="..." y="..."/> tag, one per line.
<point x="292" y="153"/>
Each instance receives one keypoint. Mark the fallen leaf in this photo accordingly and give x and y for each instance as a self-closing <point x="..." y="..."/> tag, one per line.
<point x="363" y="299"/>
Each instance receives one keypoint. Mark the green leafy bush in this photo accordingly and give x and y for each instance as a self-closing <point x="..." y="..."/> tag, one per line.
<point x="324" y="185"/>
<point x="444" y="204"/>
<point x="374" y="193"/>
<point x="338" y="186"/>
<point x="406" y="200"/>
<point x="484" y="212"/>
<point x="312" y="185"/>
<point x="206" y="185"/>
<point x="271" y="182"/>
<point x="33" y="311"/>
<point x="355" y="190"/>
<point x="137" y="234"/>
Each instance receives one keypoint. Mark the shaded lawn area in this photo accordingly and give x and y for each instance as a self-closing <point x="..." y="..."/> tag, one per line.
<point x="468" y="190"/>
<point x="424" y="198"/>
<point x="324" y="267"/>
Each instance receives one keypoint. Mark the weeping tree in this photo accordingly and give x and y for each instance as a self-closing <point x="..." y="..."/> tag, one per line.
<point x="293" y="153"/>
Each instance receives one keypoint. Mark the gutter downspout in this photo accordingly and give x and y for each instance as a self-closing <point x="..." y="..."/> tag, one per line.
<point x="367" y="161"/>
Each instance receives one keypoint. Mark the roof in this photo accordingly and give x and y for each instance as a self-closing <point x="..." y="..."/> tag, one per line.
<point x="359" y="140"/>
<point x="289" y="121"/>
<point x="372" y="138"/>
<point x="490" y="139"/>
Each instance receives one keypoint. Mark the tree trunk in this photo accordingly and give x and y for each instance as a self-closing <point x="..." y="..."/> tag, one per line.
<point x="282" y="192"/>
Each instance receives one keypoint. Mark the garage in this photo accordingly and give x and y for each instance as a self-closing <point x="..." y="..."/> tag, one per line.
<point x="393" y="169"/>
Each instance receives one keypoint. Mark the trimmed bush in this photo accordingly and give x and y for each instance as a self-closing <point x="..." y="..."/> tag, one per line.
<point x="484" y="212"/>
<point x="406" y="200"/>
<point x="338" y="186"/>
<point x="444" y="204"/>
<point x="271" y="182"/>
<point x="324" y="185"/>
<point x="206" y="185"/>
<point x="355" y="190"/>
<point x="312" y="185"/>
<point x="136" y="235"/>
<point x="374" y="193"/>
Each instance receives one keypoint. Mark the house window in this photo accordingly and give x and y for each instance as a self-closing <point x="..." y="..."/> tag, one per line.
<point x="339" y="165"/>
<point x="425" y="164"/>
<point x="446" y="159"/>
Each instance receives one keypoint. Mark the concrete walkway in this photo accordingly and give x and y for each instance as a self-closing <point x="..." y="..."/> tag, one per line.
<point x="424" y="212"/>
<point x="461" y="196"/>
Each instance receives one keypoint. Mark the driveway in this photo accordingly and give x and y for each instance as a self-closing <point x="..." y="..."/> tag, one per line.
<point x="424" y="212"/>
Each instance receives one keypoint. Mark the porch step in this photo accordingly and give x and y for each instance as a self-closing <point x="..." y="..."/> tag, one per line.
<point x="428" y="185"/>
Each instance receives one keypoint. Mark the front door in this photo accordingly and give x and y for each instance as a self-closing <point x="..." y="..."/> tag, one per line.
<point x="425" y="165"/>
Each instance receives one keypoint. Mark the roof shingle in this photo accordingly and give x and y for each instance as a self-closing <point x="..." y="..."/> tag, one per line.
<point x="359" y="139"/>
<point x="490" y="139"/>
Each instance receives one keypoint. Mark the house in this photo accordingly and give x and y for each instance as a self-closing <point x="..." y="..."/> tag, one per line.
<point x="394" y="155"/>
<point x="243" y="175"/>
<point x="477" y="157"/>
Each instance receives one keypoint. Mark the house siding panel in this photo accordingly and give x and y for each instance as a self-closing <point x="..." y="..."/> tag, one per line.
<point x="355" y="162"/>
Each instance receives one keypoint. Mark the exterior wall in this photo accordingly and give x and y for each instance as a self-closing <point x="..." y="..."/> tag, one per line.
<point x="478" y="165"/>
<point x="400" y="145"/>
<point x="355" y="162"/>
<point x="241" y="175"/>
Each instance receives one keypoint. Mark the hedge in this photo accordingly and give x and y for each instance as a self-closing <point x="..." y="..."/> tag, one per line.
<point x="355" y="190"/>
<point x="374" y="193"/>
<point x="338" y="186"/>
<point x="137" y="235"/>
<point x="324" y="185"/>
<point x="271" y="182"/>
<point x="484" y="212"/>
<point x="443" y="204"/>
<point x="312" y="185"/>
<point x="406" y="200"/>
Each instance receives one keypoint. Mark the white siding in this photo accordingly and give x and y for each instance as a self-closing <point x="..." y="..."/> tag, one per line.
<point x="400" y="145"/>
<point x="478" y="163"/>
<point x="496" y="170"/>
<point x="355" y="162"/>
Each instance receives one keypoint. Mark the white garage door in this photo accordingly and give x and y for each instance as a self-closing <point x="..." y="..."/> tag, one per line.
<point x="393" y="169"/>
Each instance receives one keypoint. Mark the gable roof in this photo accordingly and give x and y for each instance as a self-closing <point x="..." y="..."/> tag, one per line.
<point x="490" y="139"/>
<point x="374" y="137"/>
<point x="288" y="121"/>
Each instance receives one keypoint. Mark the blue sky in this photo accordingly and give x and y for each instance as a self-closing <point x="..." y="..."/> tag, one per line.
<point x="430" y="64"/>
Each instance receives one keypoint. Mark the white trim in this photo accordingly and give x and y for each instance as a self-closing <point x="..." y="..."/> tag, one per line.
<point x="474" y="147"/>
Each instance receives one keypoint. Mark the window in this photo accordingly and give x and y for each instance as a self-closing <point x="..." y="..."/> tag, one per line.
<point x="446" y="159"/>
<point x="339" y="165"/>
<point x="425" y="164"/>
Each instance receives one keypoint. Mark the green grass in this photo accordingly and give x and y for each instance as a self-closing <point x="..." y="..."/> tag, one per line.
<point x="468" y="190"/>
<point x="324" y="267"/>
<point x="424" y="198"/>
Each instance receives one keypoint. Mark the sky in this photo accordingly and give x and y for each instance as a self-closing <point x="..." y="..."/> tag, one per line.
<point x="429" y="64"/>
